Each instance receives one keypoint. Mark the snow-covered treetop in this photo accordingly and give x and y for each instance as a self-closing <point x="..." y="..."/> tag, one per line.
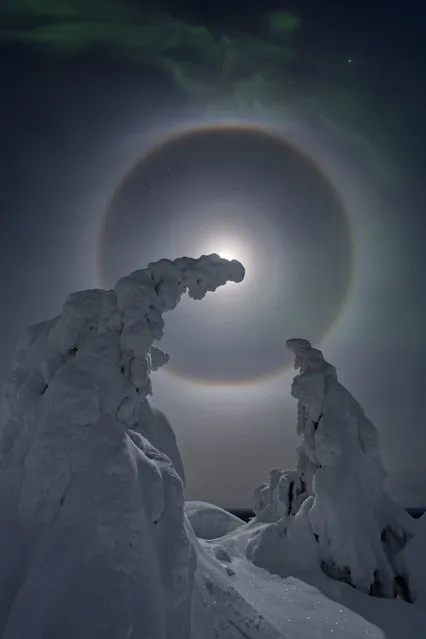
<point x="143" y="296"/>
<point x="309" y="359"/>
<point x="101" y="345"/>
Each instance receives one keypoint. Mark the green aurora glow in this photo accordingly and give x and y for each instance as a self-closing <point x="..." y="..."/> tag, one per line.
<point x="222" y="69"/>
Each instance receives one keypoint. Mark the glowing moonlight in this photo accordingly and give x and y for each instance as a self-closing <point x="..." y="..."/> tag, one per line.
<point x="229" y="250"/>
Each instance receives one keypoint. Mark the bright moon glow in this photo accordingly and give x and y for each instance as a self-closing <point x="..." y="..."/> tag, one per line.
<point x="227" y="249"/>
<point x="230" y="250"/>
<point x="229" y="253"/>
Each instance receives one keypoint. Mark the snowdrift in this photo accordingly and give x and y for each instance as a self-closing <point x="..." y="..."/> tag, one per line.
<point x="209" y="521"/>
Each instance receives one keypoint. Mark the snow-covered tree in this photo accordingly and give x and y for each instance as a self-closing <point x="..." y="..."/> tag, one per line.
<point x="340" y="481"/>
<point x="283" y="495"/>
<point x="93" y="537"/>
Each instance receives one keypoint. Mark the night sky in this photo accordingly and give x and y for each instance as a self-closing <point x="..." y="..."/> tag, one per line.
<point x="298" y="150"/>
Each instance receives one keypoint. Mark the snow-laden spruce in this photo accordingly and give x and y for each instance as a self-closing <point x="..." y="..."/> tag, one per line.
<point x="344" y="521"/>
<point x="93" y="537"/>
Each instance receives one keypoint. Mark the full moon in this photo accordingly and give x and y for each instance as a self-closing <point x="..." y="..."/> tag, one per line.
<point x="231" y="253"/>
<point x="230" y="249"/>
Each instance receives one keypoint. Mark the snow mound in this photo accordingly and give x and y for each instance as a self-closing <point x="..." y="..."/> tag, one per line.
<point x="303" y="602"/>
<point x="293" y="607"/>
<point x="297" y="609"/>
<point x="286" y="547"/>
<point x="209" y="521"/>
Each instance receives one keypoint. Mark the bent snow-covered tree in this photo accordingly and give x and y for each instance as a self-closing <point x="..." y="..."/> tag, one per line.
<point x="339" y="485"/>
<point x="93" y="537"/>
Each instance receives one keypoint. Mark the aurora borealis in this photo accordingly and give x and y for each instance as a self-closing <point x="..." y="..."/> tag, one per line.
<point x="252" y="69"/>
<point x="202" y="62"/>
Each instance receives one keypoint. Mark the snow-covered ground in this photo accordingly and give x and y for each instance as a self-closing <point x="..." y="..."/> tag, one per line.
<point x="312" y="605"/>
